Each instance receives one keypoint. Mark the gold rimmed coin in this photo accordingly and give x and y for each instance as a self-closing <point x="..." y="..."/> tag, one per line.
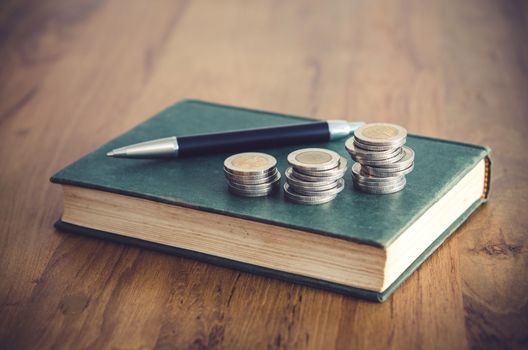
<point x="333" y="190"/>
<point x="256" y="187"/>
<point x="379" y="162"/>
<point x="251" y="174"/>
<point x="339" y="170"/>
<point x="250" y="193"/>
<point x="358" y="153"/>
<point x="386" y="172"/>
<point x="252" y="179"/>
<point x="386" y="189"/>
<point x="382" y="159"/>
<point x="292" y="179"/>
<point x="403" y="163"/>
<point x="306" y="199"/>
<point x="359" y="176"/>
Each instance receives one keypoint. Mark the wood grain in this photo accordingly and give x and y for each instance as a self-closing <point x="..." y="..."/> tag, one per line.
<point x="74" y="74"/>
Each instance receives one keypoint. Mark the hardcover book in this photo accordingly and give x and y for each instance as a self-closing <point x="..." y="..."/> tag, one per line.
<point x="359" y="244"/>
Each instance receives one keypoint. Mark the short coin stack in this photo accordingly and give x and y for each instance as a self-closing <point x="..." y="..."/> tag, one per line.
<point x="315" y="176"/>
<point x="382" y="159"/>
<point x="252" y="174"/>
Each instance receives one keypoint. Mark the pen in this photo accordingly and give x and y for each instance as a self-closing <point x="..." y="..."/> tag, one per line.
<point x="237" y="141"/>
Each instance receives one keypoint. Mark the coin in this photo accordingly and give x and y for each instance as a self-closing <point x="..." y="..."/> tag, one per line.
<point x="358" y="153"/>
<point x="403" y="163"/>
<point x="386" y="172"/>
<point x="375" y="148"/>
<point x="254" y="179"/>
<point x="339" y="170"/>
<point x="381" y="159"/>
<point x="338" y="187"/>
<point x="292" y="179"/>
<point x="379" y="162"/>
<point x="252" y="193"/>
<point x="381" y="134"/>
<point x="380" y="189"/>
<point x="251" y="174"/>
<point x="358" y="176"/>
<point x="309" y="178"/>
<point x="256" y="187"/>
<point x="313" y="159"/>
<point x="315" y="175"/>
<point x="250" y="163"/>
<point x="303" y="199"/>
<point x="317" y="189"/>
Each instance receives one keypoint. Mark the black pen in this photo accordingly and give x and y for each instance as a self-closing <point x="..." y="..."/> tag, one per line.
<point x="238" y="141"/>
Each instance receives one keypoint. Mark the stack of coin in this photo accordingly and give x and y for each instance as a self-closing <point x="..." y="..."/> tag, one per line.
<point x="251" y="174"/>
<point x="315" y="176"/>
<point x="382" y="159"/>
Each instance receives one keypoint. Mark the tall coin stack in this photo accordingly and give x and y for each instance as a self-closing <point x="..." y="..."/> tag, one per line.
<point x="315" y="176"/>
<point x="251" y="174"/>
<point x="382" y="159"/>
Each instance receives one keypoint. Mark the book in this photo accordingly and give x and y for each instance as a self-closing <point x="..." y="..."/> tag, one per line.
<point x="358" y="244"/>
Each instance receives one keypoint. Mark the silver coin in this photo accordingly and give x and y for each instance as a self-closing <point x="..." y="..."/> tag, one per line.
<point x="338" y="187"/>
<point x="255" y="187"/>
<point x="250" y="163"/>
<point x="398" y="182"/>
<point x="321" y="185"/>
<point x="403" y="163"/>
<point x="386" y="172"/>
<point x="359" y="153"/>
<point x="380" y="162"/>
<point x="303" y="177"/>
<point x="376" y="155"/>
<point x="251" y="180"/>
<point x="364" y="160"/>
<point x="308" y="190"/>
<point x="389" y="181"/>
<point x="252" y="193"/>
<point x="381" y="134"/>
<point x="340" y="169"/>
<point x="301" y="199"/>
<point x="377" y="148"/>
<point x="313" y="159"/>
<point x="380" y="189"/>
<point x="358" y="176"/>
<point x="228" y="174"/>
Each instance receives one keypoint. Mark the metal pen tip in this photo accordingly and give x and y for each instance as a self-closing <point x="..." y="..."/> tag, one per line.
<point x="160" y="148"/>
<point x="355" y="125"/>
<point x="117" y="153"/>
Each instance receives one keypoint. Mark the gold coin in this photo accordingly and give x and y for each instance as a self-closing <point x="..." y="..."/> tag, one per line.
<point x="313" y="159"/>
<point x="250" y="163"/>
<point x="381" y="134"/>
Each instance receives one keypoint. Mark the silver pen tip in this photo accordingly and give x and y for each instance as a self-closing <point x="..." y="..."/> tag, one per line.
<point x="355" y="125"/>
<point x="160" y="148"/>
<point x="117" y="153"/>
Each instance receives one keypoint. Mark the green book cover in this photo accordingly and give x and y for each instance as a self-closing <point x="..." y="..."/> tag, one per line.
<point x="199" y="183"/>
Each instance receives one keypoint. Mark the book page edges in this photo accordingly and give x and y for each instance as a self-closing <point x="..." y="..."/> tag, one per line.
<point x="428" y="227"/>
<point x="279" y="248"/>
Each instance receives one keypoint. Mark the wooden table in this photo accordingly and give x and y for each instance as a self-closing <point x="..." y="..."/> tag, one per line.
<point x="75" y="74"/>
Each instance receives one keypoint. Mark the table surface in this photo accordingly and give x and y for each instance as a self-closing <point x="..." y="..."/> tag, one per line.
<point x="75" y="74"/>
